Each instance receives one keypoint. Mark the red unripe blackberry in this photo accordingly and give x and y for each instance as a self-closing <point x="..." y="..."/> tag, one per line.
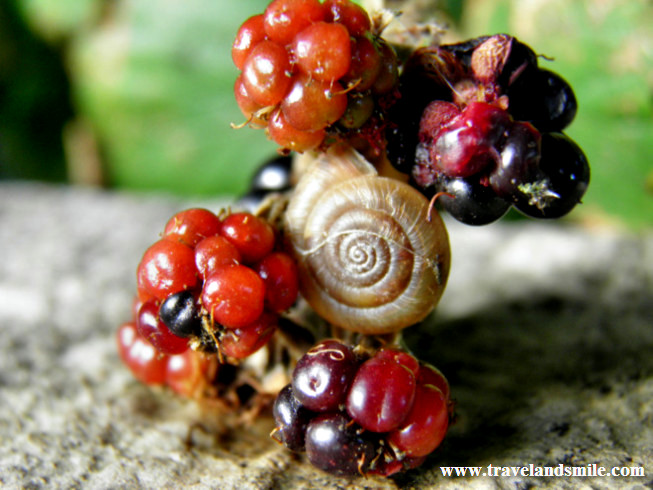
<point x="242" y="342"/>
<point x="279" y="272"/>
<point x="191" y="226"/>
<point x="143" y="360"/>
<point x="167" y="267"/>
<point x="381" y="394"/>
<point x="353" y="416"/>
<point x="352" y="16"/>
<point x="426" y="425"/>
<point x="322" y="50"/>
<point x="138" y="301"/>
<point x="284" y="19"/>
<point x="311" y="105"/>
<point x="186" y="373"/>
<point x="311" y="59"/>
<point x="250" y="33"/>
<point x="430" y="375"/>
<point x="287" y="136"/>
<point x="266" y="73"/>
<point x="246" y="104"/>
<point x="365" y="64"/>
<point x="151" y="328"/>
<point x="252" y="236"/>
<point x="400" y="357"/>
<point x="213" y="253"/>
<point x="234" y="296"/>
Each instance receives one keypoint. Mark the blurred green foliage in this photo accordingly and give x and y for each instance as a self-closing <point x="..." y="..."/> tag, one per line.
<point x="154" y="81"/>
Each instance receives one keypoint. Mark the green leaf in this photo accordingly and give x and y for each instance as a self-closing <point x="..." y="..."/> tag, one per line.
<point x="156" y="81"/>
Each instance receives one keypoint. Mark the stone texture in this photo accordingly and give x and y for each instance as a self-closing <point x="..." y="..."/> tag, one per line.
<point x="545" y="333"/>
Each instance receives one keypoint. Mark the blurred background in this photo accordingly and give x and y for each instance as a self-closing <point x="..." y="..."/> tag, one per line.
<point x="138" y="95"/>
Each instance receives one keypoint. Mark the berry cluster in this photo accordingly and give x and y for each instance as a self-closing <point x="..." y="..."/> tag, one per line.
<point x="480" y="126"/>
<point x="358" y="414"/>
<point x="476" y="124"/>
<point x="213" y="283"/>
<point x="306" y="66"/>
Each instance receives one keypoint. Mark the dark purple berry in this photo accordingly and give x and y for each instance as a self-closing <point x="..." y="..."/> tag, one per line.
<point x="518" y="159"/>
<point x="470" y="202"/>
<point x="180" y="313"/>
<point x="322" y="376"/>
<point x="560" y="182"/>
<point x="544" y="99"/>
<point x="521" y="62"/>
<point x="418" y="89"/>
<point x="291" y="418"/>
<point x="273" y="175"/>
<point x="333" y="445"/>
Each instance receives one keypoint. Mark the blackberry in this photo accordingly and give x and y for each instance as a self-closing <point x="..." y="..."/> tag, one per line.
<point x="304" y="63"/>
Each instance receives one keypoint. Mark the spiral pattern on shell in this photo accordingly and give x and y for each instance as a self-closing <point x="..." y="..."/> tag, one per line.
<point x="369" y="260"/>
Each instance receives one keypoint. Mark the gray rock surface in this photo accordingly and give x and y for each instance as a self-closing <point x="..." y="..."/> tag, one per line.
<point x="545" y="333"/>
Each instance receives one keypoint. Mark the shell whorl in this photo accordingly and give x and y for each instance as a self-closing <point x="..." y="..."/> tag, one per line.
<point x="369" y="261"/>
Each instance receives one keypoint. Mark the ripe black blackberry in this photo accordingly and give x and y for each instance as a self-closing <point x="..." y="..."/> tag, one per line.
<point x="485" y="112"/>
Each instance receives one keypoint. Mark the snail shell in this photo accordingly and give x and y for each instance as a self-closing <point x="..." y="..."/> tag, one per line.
<point x="369" y="260"/>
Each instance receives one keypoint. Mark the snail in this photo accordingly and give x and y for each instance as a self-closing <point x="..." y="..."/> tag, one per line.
<point x="369" y="259"/>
